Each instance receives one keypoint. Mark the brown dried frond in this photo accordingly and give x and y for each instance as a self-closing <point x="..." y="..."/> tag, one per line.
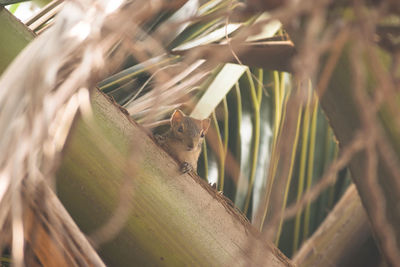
<point x="42" y="91"/>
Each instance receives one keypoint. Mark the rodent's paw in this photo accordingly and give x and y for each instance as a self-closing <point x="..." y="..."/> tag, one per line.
<point x="186" y="167"/>
<point x="213" y="185"/>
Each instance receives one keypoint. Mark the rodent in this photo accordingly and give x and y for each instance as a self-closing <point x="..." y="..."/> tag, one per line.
<point x="184" y="139"/>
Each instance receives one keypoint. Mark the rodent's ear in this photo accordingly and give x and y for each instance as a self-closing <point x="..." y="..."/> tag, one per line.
<point x="205" y="124"/>
<point x="177" y="117"/>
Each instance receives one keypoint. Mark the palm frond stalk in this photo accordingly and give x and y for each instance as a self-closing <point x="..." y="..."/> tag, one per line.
<point x="343" y="239"/>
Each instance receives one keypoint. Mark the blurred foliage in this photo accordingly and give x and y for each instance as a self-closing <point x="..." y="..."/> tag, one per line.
<point x="247" y="119"/>
<point x="247" y="111"/>
<point x="248" y="106"/>
<point x="247" y="116"/>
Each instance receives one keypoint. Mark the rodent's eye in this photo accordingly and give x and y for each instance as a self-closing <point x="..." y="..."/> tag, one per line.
<point x="202" y="134"/>
<point x="180" y="129"/>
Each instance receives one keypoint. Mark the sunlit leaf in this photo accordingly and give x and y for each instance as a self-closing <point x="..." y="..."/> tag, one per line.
<point x="209" y="38"/>
<point x="218" y="89"/>
<point x="267" y="29"/>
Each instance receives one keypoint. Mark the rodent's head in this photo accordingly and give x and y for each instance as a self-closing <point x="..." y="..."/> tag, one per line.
<point x="189" y="130"/>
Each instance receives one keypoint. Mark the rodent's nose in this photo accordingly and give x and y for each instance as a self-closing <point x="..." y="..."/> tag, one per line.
<point x="190" y="146"/>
